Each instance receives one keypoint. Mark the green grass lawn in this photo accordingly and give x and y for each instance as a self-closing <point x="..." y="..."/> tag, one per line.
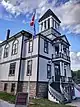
<point x="34" y="102"/>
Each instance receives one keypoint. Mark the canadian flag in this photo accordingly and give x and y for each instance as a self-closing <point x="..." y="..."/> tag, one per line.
<point x="32" y="21"/>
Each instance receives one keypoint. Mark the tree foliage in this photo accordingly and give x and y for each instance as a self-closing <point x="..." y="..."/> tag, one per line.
<point x="76" y="76"/>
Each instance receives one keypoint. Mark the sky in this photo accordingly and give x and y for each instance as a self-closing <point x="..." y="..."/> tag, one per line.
<point x="16" y="16"/>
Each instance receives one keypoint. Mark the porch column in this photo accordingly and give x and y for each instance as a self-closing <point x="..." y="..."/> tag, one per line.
<point x="53" y="71"/>
<point x="40" y="27"/>
<point x="46" y="24"/>
<point x="61" y="68"/>
<point x="51" y="24"/>
<point x="43" y="27"/>
<point x="68" y="70"/>
<point x="60" y="48"/>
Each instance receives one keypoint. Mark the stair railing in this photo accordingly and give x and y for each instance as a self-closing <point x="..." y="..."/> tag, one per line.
<point x="55" y="94"/>
<point x="66" y="95"/>
<point x="76" y="85"/>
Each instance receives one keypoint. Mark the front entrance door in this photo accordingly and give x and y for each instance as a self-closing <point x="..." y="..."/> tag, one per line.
<point x="57" y="77"/>
<point x="57" y="73"/>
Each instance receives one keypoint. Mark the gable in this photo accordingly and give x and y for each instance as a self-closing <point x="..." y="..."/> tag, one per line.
<point x="48" y="13"/>
<point x="65" y="39"/>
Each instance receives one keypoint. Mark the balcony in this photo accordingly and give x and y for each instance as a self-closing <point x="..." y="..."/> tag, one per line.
<point x="66" y="79"/>
<point x="60" y="55"/>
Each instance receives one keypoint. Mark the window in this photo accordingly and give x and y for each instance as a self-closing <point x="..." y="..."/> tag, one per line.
<point x="48" y="71"/>
<point x="29" y="67"/>
<point x="0" y="53"/>
<point x="65" y="70"/>
<point x="48" y="23"/>
<point x="56" y="25"/>
<point x="13" y="87"/>
<point x="5" y="86"/>
<point x="65" y="51"/>
<point x="30" y="46"/>
<point x="12" y="69"/>
<point x="46" y="46"/>
<point x="41" y="26"/>
<point x="53" y="23"/>
<point x="45" y="25"/>
<point x="15" y="47"/>
<point x="6" y="51"/>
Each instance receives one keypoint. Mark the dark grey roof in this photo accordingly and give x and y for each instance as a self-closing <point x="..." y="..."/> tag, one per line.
<point x="21" y="33"/>
<point x="47" y="14"/>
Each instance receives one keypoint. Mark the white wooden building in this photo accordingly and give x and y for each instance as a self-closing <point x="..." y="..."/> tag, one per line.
<point x="49" y="67"/>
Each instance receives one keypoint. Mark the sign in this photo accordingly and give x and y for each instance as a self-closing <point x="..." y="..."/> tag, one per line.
<point x="21" y="99"/>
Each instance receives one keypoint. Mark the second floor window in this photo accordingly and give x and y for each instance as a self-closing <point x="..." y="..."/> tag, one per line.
<point x="12" y="69"/>
<point x="30" y="46"/>
<point x="15" y="47"/>
<point x="46" y="46"/>
<point x="6" y="51"/>
<point x="29" y="67"/>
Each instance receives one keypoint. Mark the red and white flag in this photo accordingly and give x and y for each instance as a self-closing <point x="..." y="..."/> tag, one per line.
<point x="32" y="21"/>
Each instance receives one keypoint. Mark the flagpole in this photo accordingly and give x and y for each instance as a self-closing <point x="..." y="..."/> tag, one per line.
<point x="29" y="72"/>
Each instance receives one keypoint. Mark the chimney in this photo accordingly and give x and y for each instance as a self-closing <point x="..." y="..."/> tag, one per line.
<point x="8" y="34"/>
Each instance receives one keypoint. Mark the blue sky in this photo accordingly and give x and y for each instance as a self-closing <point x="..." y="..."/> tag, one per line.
<point x="16" y="15"/>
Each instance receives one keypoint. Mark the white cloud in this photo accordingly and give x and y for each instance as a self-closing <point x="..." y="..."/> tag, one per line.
<point x="75" y="60"/>
<point x="0" y="41"/>
<point x="69" y="13"/>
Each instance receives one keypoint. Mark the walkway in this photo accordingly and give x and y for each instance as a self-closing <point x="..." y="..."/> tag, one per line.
<point x="75" y="103"/>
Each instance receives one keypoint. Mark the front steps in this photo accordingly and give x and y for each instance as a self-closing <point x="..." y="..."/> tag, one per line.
<point x="55" y="94"/>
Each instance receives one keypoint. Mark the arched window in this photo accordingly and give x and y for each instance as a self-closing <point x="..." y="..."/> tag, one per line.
<point x="6" y="51"/>
<point x="15" y="47"/>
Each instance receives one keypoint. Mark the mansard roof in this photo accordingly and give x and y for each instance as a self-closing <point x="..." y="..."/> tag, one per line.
<point x="63" y="38"/>
<point x="48" y="13"/>
<point x="21" y="33"/>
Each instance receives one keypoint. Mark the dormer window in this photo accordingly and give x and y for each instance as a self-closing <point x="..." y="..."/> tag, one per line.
<point x="6" y="51"/>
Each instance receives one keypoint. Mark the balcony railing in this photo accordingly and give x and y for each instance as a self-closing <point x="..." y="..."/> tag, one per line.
<point x="61" y="55"/>
<point x="66" y="79"/>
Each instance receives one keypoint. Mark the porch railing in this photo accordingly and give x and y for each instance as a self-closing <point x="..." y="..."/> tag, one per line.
<point x="61" y="55"/>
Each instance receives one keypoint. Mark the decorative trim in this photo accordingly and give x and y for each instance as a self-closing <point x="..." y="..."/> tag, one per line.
<point x="34" y="56"/>
<point x="44" y="57"/>
<point x="10" y="61"/>
<point x="19" y="34"/>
